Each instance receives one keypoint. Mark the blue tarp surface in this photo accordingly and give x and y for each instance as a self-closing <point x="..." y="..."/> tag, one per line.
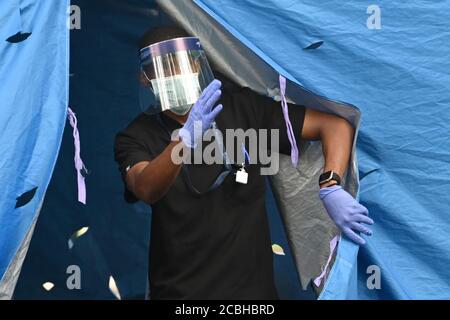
<point x="33" y="102"/>
<point x="398" y="76"/>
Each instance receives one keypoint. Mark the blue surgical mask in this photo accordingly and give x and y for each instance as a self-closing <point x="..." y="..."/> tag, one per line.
<point x="181" y="110"/>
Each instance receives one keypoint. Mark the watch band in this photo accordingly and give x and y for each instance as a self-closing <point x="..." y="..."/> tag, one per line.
<point x="329" y="176"/>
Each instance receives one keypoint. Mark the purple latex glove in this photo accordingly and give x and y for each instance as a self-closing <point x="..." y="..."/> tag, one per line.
<point x="202" y="115"/>
<point x="346" y="212"/>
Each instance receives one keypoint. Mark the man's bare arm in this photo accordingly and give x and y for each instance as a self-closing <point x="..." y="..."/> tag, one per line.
<point x="336" y="135"/>
<point x="150" y="180"/>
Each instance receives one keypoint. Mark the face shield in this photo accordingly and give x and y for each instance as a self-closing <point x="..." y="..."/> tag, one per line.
<point x="174" y="74"/>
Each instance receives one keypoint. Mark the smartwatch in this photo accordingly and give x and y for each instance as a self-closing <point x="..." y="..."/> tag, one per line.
<point x="329" y="176"/>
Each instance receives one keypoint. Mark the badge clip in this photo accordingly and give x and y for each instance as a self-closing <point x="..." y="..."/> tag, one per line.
<point x="241" y="176"/>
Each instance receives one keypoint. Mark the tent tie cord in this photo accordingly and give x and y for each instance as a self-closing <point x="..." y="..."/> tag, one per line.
<point x="323" y="276"/>
<point x="294" y="158"/>
<point x="290" y="132"/>
<point x="79" y="165"/>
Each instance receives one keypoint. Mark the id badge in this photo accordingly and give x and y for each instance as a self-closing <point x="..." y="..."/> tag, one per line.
<point x="242" y="176"/>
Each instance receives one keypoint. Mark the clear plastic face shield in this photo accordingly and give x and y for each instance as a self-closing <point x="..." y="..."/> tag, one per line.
<point x="174" y="74"/>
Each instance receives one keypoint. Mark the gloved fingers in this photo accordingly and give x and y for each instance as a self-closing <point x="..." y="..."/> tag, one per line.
<point x="361" y="209"/>
<point x="361" y="228"/>
<point x="361" y="218"/>
<point x="213" y="114"/>
<point x="354" y="237"/>
<point x="209" y="90"/>
<point x="212" y="100"/>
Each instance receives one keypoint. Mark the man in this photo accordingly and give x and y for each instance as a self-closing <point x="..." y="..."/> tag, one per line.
<point x="210" y="236"/>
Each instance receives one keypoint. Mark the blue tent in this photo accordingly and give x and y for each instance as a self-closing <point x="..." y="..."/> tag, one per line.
<point x="383" y="66"/>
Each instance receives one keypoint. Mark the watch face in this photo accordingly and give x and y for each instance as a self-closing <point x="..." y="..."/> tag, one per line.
<point x="328" y="176"/>
<point x="324" y="177"/>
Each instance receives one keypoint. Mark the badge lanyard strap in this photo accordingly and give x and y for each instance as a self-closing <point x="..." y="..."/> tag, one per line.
<point x="227" y="163"/>
<point x="246" y="155"/>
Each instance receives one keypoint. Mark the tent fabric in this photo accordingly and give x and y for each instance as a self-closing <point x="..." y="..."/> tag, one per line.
<point x="34" y="95"/>
<point x="396" y="76"/>
<point x="103" y="93"/>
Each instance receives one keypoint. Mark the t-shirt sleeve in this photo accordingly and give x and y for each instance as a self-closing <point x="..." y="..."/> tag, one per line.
<point x="268" y="114"/>
<point x="128" y="151"/>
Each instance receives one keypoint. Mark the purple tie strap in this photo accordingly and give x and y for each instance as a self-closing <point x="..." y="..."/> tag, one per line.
<point x="290" y="132"/>
<point x="333" y="245"/>
<point x="79" y="165"/>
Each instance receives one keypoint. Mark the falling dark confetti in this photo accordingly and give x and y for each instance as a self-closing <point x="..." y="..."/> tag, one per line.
<point x="314" y="45"/>
<point x="19" y="37"/>
<point x="25" y="197"/>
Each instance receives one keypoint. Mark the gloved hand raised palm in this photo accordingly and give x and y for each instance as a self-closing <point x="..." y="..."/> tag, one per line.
<point x="202" y="115"/>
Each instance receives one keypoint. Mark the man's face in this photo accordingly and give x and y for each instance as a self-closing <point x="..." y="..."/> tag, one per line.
<point x="168" y="72"/>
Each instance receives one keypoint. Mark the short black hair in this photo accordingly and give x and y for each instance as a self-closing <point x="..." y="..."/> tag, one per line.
<point x="159" y="34"/>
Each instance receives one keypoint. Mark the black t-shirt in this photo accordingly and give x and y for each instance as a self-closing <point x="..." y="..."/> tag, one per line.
<point x="216" y="245"/>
